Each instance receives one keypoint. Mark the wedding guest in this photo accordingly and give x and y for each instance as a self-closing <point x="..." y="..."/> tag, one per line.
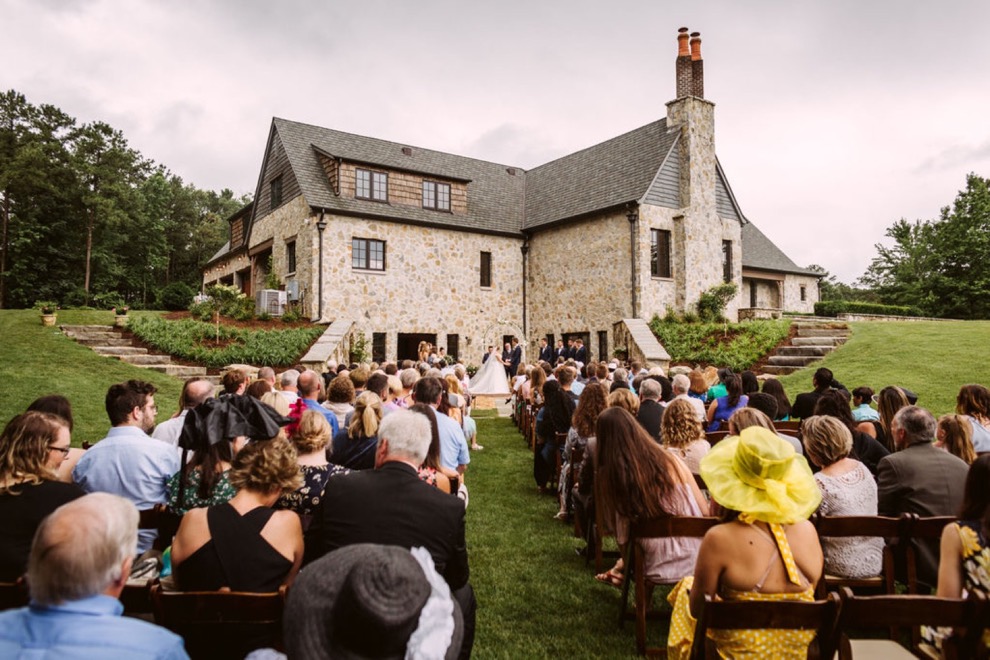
<point x="973" y="401"/>
<point x="955" y="435"/>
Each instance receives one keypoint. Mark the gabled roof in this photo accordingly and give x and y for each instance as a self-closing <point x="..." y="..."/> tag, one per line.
<point x="496" y="202"/>
<point x="759" y="253"/>
<point x="605" y="175"/>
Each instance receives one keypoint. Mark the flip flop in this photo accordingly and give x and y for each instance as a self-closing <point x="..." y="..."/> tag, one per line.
<point x="611" y="578"/>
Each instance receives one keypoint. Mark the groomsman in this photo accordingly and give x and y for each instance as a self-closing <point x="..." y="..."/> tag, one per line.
<point x="580" y="352"/>
<point x="546" y="353"/>
<point x="559" y="352"/>
<point x="571" y="349"/>
<point x="515" y="358"/>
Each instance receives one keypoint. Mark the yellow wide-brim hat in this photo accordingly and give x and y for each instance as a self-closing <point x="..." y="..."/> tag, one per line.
<point x="760" y="475"/>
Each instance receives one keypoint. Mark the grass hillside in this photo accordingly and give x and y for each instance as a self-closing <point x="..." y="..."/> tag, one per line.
<point x="35" y="360"/>
<point x="931" y="358"/>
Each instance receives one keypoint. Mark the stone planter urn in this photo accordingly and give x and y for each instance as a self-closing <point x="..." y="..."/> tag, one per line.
<point x="120" y="320"/>
<point x="48" y="320"/>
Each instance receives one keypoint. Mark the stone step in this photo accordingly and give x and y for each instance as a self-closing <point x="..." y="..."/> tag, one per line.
<point x="793" y="360"/>
<point x="818" y="341"/>
<point x="146" y="360"/>
<point x="779" y="369"/>
<point x="178" y="370"/>
<point x="117" y="351"/>
<point x="835" y="325"/>
<point x="822" y="332"/>
<point x="86" y="328"/>
<point x="113" y="340"/>
<point x="805" y="350"/>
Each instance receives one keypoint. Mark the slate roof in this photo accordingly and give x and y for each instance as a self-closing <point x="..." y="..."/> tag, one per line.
<point x="613" y="172"/>
<point x="495" y="202"/>
<point x="759" y="252"/>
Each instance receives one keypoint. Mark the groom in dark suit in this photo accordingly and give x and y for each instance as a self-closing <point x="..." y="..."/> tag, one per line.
<point x="546" y="353"/>
<point x="515" y="357"/>
<point x="390" y="505"/>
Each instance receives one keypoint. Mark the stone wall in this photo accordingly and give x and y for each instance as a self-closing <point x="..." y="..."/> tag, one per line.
<point x="579" y="281"/>
<point x="431" y="284"/>
<point x="292" y="221"/>
<point x="792" y="293"/>
<point x="224" y="268"/>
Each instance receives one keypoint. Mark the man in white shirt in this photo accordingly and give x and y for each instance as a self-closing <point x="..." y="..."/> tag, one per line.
<point x="681" y="384"/>
<point x="290" y="382"/>
<point x="194" y="392"/>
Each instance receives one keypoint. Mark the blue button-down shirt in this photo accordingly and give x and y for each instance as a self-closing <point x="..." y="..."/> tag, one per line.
<point x="312" y="404"/>
<point x="132" y="464"/>
<point x="83" y="629"/>
<point x="453" y="444"/>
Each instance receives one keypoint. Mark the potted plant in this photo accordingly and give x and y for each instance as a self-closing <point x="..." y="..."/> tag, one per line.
<point x="49" y="310"/>
<point x="120" y="315"/>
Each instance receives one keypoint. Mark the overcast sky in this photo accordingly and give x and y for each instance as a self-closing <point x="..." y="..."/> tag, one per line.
<point x="833" y="118"/>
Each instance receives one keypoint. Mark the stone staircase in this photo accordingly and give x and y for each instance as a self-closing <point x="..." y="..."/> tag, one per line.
<point x="814" y="340"/>
<point x="104" y="340"/>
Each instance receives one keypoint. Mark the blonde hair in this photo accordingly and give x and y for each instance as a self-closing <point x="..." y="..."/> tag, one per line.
<point x="266" y="466"/>
<point x="366" y="417"/>
<point x="625" y="399"/>
<point x="313" y="433"/>
<point x="453" y="385"/>
<point x="746" y="417"/>
<point x="276" y="401"/>
<point x="680" y="425"/>
<point x="827" y="439"/>
<point x="24" y="448"/>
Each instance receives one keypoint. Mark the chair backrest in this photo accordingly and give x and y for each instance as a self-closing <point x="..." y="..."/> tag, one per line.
<point x="921" y="530"/>
<point x="221" y="623"/>
<point x="911" y="610"/>
<point x="790" y="425"/>
<point x="819" y="615"/>
<point x="714" y="436"/>
<point x="894" y="530"/>
<point x="160" y="518"/>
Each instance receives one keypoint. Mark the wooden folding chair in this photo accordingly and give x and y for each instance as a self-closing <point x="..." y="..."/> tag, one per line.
<point x="790" y="425"/>
<point x="893" y="530"/>
<point x="819" y="615"/>
<point x="221" y="624"/>
<point x="965" y="616"/>
<point x="13" y="594"/>
<point x="923" y="530"/>
<point x="713" y="437"/>
<point x="665" y="527"/>
<point x="558" y="459"/>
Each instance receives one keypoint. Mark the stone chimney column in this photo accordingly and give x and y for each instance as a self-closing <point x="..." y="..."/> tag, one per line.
<point x="697" y="67"/>
<point x="684" y="71"/>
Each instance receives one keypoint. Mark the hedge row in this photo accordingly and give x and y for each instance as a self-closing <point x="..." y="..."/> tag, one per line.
<point x="836" y="307"/>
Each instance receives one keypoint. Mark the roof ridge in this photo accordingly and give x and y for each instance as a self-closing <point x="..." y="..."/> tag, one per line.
<point x="662" y="120"/>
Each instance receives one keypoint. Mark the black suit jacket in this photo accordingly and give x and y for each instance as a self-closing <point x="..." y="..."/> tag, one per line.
<point x="649" y="417"/>
<point x="546" y="354"/>
<point x="391" y="506"/>
<point x="515" y="359"/>
<point x="560" y="353"/>
<point x="581" y="355"/>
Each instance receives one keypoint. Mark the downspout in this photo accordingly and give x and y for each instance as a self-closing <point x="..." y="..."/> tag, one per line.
<point x="632" y="215"/>
<point x="525" y="261"/>
<point x="321" y="224"/>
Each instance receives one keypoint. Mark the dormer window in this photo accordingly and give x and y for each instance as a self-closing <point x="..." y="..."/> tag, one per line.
<point x="371" y="185"/>
<point x="436" y="196"/>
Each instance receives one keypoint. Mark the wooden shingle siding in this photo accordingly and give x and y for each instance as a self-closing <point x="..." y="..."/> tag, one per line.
<point x="723" y="203"/>
<point x="404" y="188"/>
<point x="278" y="165"/>
<point x="332" y="170"/>
<point x="237" y="232"/>
<point x="665" y="190"/>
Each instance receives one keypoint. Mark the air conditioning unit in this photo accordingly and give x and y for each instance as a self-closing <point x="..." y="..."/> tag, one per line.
<point x="292" y="289"/>
<point x="270" y="301"/>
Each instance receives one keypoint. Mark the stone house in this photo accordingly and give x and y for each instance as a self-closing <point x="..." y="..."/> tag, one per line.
<point x="405" y="244"/>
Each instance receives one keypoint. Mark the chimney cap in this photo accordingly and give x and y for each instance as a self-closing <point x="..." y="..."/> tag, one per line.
<point x="682" y="30"/>
<point x="694" y="34"/>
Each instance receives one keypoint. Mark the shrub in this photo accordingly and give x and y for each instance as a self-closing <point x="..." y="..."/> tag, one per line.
<point x="711" y="303"/>
<point x="108" y="300"/>
<point x="836" y="307"/>
<point x="735" y="345"/>
<point x="176" y="296"/>
<point x="190" y="340"/>
<point x="290" y="315"/>
<point x="202" y="311"/>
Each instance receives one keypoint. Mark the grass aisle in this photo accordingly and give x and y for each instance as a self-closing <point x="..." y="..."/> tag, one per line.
<point x="535" y="596"/>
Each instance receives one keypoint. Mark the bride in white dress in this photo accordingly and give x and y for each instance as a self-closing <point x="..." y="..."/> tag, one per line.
<point x="490" y="379"/>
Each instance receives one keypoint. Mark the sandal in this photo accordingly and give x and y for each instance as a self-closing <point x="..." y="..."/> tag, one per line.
<point x="611" y="577"/>
<point x="476" y="447"/>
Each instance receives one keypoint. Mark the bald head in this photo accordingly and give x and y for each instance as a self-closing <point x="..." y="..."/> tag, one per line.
<point x="198" y="391"/>
<point x="309" y="384"/>
<point x="83" y="549"/>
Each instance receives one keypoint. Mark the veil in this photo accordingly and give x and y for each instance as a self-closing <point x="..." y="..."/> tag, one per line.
<point x="490" y="379"/>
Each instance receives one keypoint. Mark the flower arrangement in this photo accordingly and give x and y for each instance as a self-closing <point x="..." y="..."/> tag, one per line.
<point x="46" y="307"/>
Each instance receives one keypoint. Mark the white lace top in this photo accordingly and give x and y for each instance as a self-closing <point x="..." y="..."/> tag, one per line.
<point x="851" y="494"/>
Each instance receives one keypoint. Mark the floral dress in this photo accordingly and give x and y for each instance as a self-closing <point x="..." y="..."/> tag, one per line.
<point x="306" y="498"/>
<point x="976" y="574"/>
<point x="222" y="492"/>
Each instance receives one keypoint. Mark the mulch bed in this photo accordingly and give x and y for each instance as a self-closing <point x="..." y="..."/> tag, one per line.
<point x="274" y="324"/>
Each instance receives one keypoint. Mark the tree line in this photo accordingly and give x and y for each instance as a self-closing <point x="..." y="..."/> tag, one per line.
<point x="940" y="267"/>
<point x="87" y="220"/>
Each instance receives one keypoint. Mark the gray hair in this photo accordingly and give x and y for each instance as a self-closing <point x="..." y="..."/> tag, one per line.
<point x="918" y="424"/>
<point x="408" y="378"/>
<point x="80" y="549"/>
<point x="408" y="434"/>
<point x="681" y="384"/>
<point x="290" y="377"/>
<point x="650" y="389"/>
<point x="620" y="374"/>
<point x="656" y="371"/>
<point x="265" y="373"/>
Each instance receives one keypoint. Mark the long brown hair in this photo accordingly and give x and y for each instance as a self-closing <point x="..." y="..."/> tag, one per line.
<point x="432" y="459"/>
<point x="958" y="437"/>
<point x="889" y="401"/>
<point x="634" y="476"/>
<point x="24" y="448"/>
<point x="974" y="400"/>
<point x="594" y="399"/>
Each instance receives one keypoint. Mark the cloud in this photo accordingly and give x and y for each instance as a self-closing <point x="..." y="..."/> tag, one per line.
<point x="955" y="156"/>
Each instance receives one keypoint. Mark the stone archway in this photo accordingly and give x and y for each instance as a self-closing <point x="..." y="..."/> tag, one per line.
<point x="492" y="336"/>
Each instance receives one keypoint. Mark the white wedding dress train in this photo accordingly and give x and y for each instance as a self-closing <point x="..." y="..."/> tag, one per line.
<point x="490" y="379"/>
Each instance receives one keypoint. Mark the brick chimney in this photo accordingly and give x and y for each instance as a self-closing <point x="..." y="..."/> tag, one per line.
<point x="684" y="65"/>
<point x="697" y="67"/>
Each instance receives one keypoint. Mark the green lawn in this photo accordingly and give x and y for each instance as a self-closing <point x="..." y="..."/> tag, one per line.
<point x="35" y="360"/>
<point x="536" y="598"/>
<point x="929" y="357"/>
